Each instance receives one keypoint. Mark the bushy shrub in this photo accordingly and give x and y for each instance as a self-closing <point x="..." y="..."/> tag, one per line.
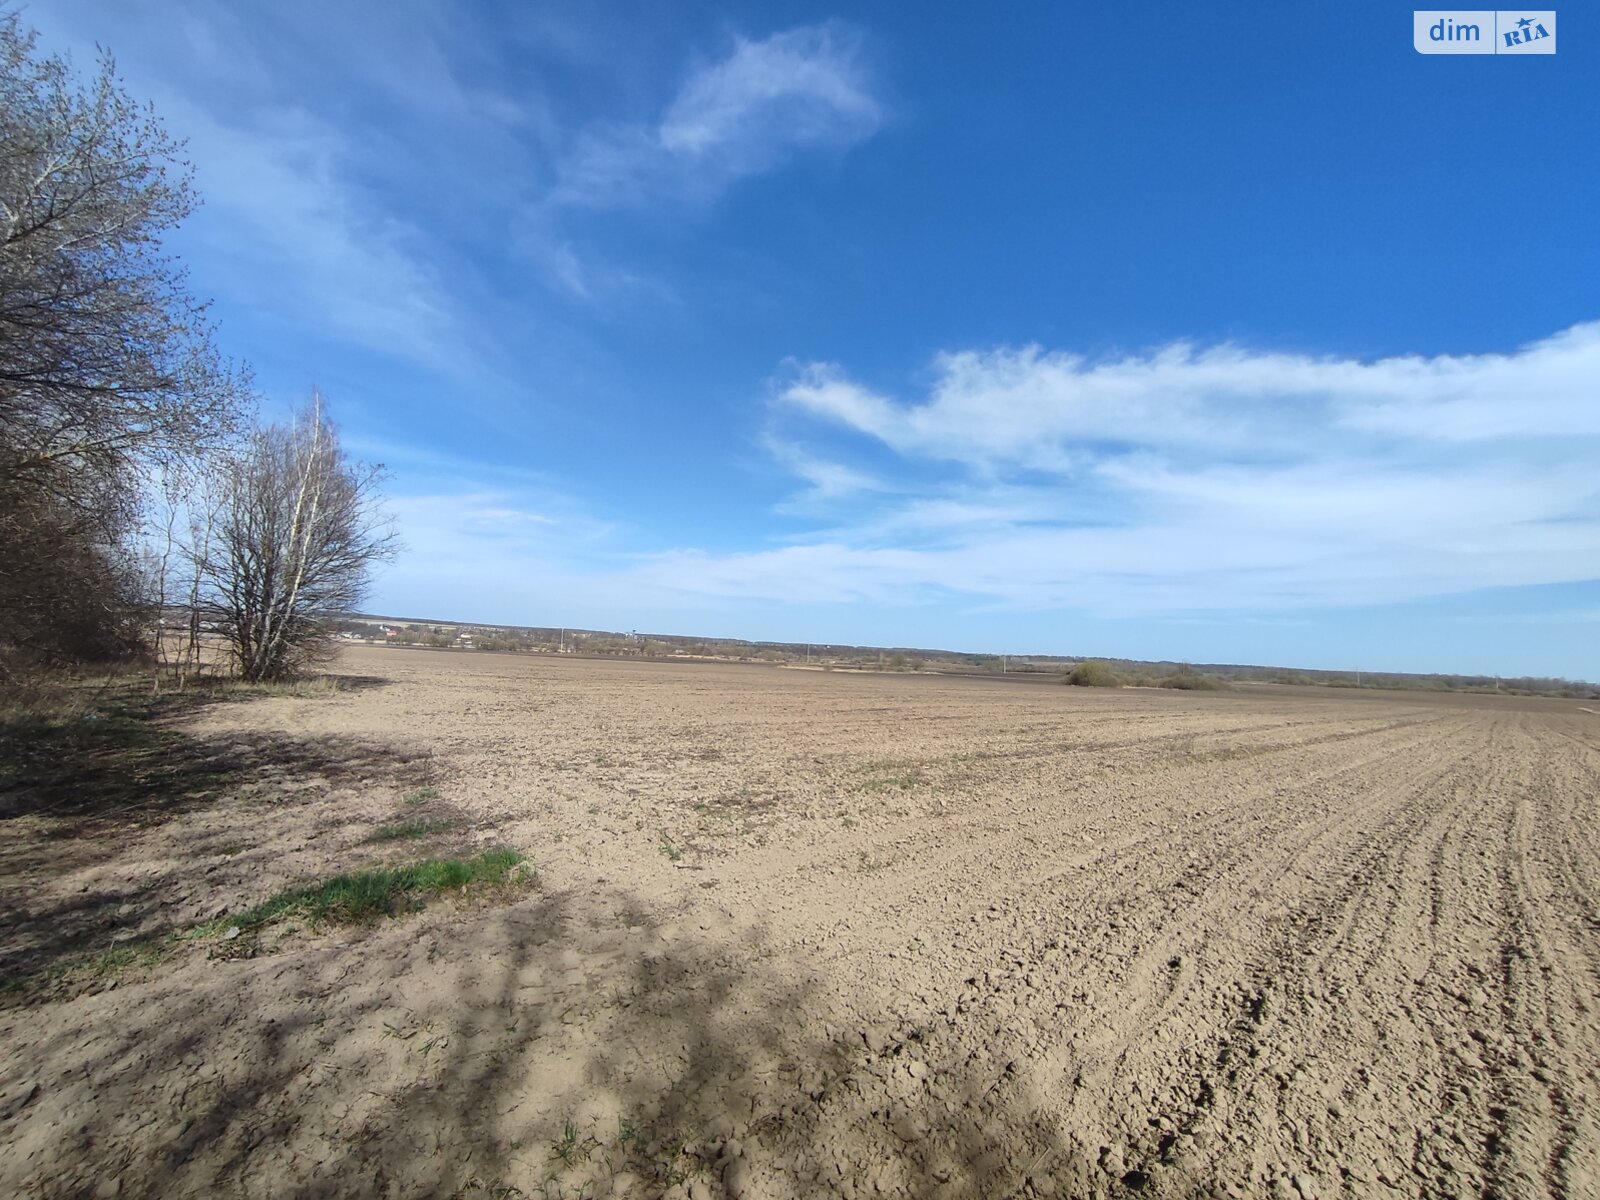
<point x="1094" y="674"/>
<point x="1189" y="681"/>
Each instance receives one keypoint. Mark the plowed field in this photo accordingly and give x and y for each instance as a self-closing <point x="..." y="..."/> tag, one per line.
<point x="803" y="933"/>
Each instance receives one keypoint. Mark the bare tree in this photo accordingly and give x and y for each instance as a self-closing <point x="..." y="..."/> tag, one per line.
<point x="106" y="361"/>
<point x="179" y="540"/>
<point x="293" y="535"/>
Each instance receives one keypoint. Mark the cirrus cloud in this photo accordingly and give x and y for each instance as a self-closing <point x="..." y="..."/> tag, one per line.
<point x="768" y="99"/>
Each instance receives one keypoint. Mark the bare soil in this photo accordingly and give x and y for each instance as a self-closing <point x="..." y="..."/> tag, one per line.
<point x="822" y="934"/>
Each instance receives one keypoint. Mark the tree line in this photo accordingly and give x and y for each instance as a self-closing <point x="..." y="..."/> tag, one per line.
<point x="145" y="507"/>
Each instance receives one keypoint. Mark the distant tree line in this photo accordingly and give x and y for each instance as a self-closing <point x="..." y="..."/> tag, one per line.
<point x="144" y="508"/>
<point x="1089" y="672"/>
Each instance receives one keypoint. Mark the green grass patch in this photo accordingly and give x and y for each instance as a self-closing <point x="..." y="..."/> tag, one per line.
<point x="122" y="958"/>
<point x="109" y="762"/>
<point x="383" y="891"/>
<point x="72" y="976"/>
<point x="413" y="830"/>
<point x="47" y="751"/>
<point x="420" y="796"/>
<point x="203" y="690"/>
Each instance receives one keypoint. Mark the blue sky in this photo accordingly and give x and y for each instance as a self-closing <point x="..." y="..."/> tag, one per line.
<point x="1221" y="333"/>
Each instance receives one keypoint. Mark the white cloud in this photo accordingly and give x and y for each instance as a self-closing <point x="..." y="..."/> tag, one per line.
<point x="825" y="573"/>
<point x="1550" y="389"/>
<point x="1226" y="482"/>
<point x="465" y="544"/>
<point x="1030" y="407"/>
<point x="299" y="222"/>
<point x="301" y="244"/>
<point x="803" y="87"/>
<point x="826" y="481"/>
<point x="747" y="113"/>
<point x="1188" y="480"/>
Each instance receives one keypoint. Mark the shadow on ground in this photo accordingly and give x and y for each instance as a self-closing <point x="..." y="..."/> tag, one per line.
<point x="524" y="1051"/>
<point x="474" y="1063"/>
<point x="573" y="1045"/>
<point x="125" y="756"/>
<point x="79" y="790"/>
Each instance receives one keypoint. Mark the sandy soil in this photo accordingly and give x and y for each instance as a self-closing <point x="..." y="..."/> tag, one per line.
<point x="811" y="934"/>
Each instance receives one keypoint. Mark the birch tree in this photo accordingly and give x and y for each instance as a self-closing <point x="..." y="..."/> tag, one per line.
<point x="295" y="531"/>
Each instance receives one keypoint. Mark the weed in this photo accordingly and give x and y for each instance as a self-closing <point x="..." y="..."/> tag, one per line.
<point x="414" y="830"/>
<point x="405" y="1034"/>
<point x="420" y="796"/>
<point x="672" y="852"/>
<point x="903" y="782"/>
<point x="849" y="822"/>
<point x="495" y="1190"/>
<point x="570" y="1149"/>
<point x="674" y="1164"/>
<point x="365" y="895"/>
<point x="21" y="984"/>
<point x="869" y="862"/>
<point x="115" y="961"/>
<point x="76" y="975"/>
<point x="401" y="1034"/>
